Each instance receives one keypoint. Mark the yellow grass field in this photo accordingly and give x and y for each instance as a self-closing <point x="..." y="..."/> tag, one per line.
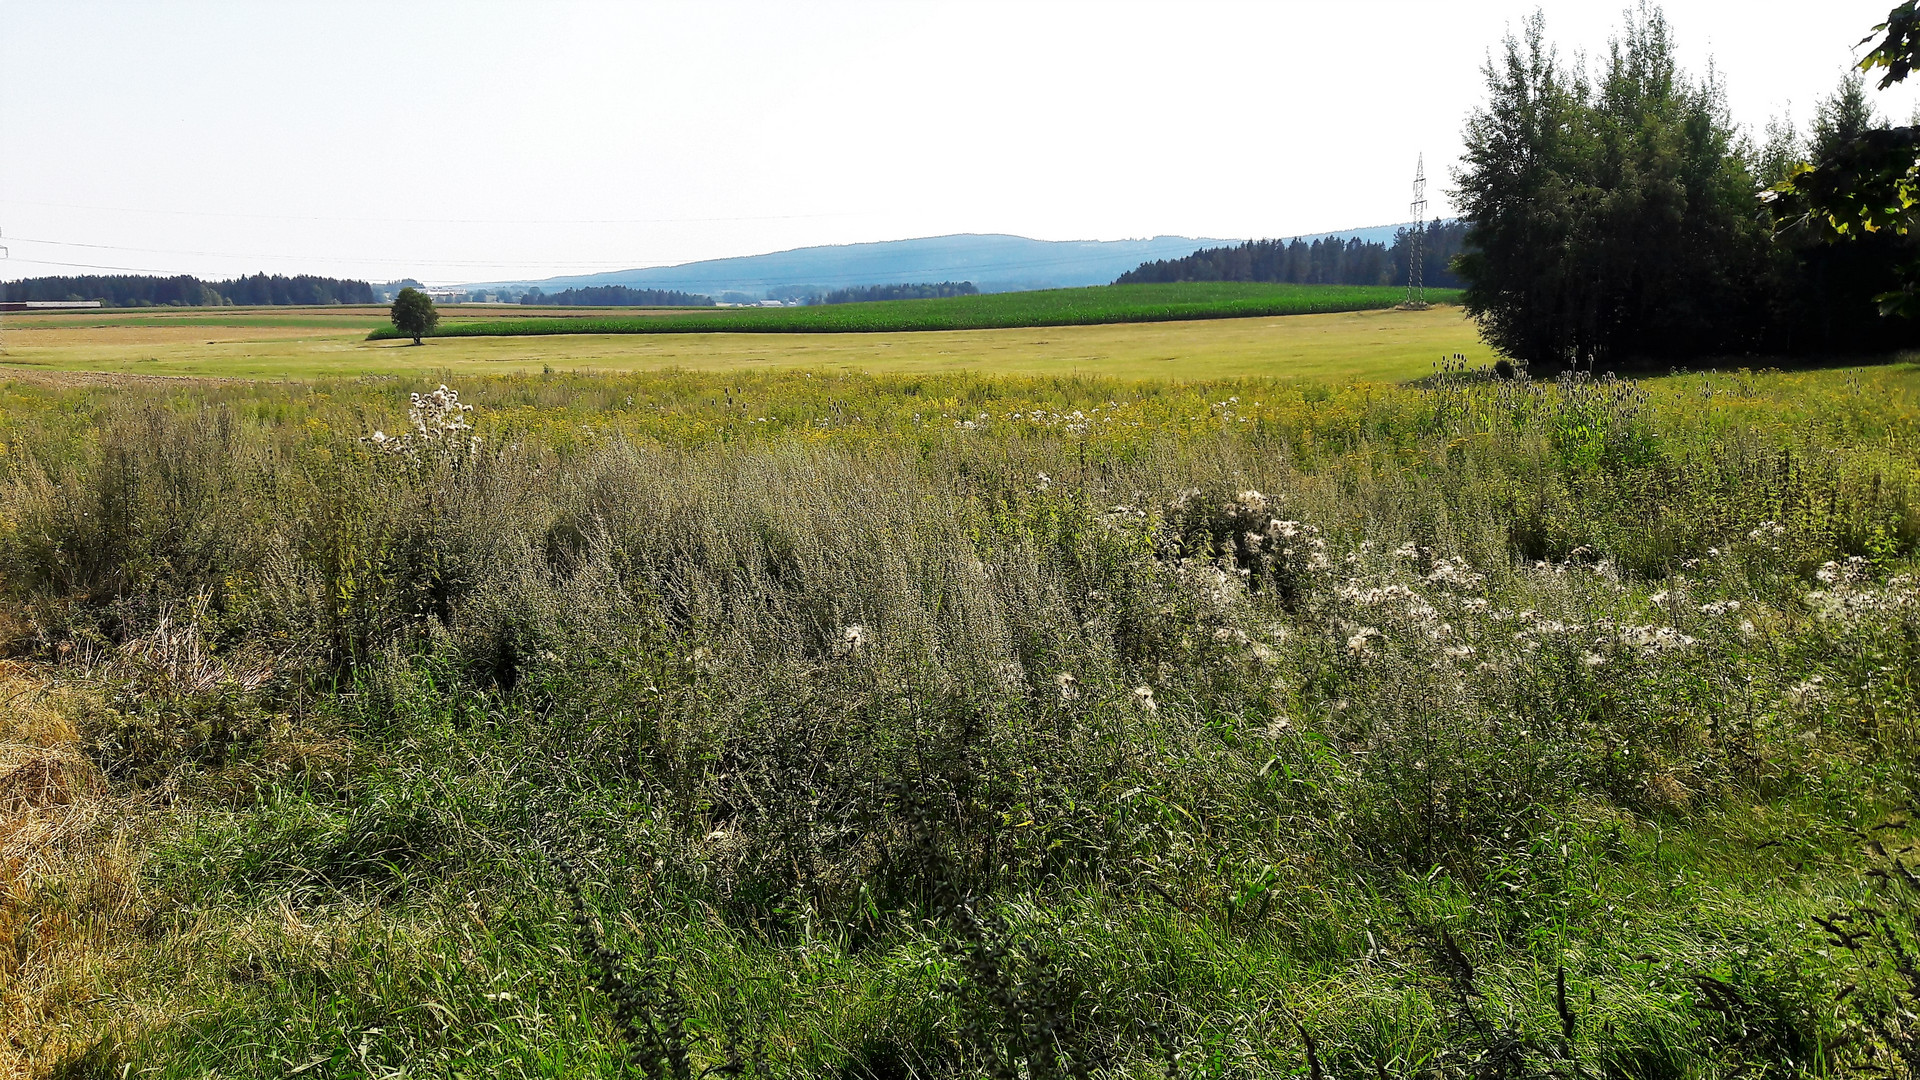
<point x="302" y="343"/>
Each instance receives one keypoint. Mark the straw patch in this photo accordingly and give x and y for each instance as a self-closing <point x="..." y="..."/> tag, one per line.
<point x="48" y="780"/>
<point x="68" y="886"/>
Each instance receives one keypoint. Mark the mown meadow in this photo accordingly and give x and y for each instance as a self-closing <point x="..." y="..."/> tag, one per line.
<point x="816" y="724"/>
<point x="1376" y="346"/>
<point x="1046" y="307"/>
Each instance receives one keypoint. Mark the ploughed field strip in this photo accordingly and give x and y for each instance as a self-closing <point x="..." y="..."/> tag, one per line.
<point x="829" y="724"/>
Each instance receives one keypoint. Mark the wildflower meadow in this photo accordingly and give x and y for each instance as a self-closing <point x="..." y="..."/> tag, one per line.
<point x="813" y="724"/>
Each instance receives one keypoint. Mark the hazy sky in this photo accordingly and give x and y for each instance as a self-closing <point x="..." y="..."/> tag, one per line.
<point x="469" y="141"/>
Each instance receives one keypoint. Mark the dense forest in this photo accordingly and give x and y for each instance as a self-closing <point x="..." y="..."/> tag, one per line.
<point x="1621" y="221"/>
<point x="1329" y="261"/>
<point x="926" y="291"/>
<point x="144" y="290"/>
<point x="616" y="296"/>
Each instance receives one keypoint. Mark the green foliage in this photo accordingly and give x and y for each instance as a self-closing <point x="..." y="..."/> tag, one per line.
<point x="1864" y="180"/>
<point x="962" y="726"/>
<point x="1865" y="185"/>
<point x="1897" y="50"/>
<point x="413" y="314"/>
<point x="1832" y="286"/>
<point x="1053" y="307"/>
<point x="145" y="737"/>
<point x="1841" y="118"/>
<point x="1612" y="213"/>
<point x="1614" y="225"/>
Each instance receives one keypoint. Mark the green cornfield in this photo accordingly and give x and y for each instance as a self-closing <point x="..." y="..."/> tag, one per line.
<point x="1051" y="307"/>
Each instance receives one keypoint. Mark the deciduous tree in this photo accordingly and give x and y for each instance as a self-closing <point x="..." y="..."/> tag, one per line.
<point x="1865" y="179"/>
<point x="413" y="314"/>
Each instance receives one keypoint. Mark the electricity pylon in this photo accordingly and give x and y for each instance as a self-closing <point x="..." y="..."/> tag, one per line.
<point x="1416" y="258"/>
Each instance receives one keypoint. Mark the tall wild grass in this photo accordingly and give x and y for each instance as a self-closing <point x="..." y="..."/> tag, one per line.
<point x="806" y="724"/>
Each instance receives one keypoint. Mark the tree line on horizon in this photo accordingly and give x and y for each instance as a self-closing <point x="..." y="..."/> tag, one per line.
<point x="185" y="290"/>
<point x="1326" y="261"/>
<point x="615" y="296"/>
<point x="859" y="294"/>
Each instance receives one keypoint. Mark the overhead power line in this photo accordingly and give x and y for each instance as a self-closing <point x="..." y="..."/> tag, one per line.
<point x="99" y="266"/>
<point x="428" y="220"/>
<point x="620" y="265"/>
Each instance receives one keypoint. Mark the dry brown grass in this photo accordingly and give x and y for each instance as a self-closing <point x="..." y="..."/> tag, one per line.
<point x="69" y="895"/>
<point x="35" y="713"/>
<point x="73" y="946"/>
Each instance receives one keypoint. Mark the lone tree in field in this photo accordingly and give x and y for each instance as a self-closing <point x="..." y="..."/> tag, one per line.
<point x="413" y="314"/>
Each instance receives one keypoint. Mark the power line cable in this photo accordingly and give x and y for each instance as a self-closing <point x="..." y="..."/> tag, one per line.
<point x="95" y="266"/>
<point x="432" y="221"/>
<point x="324" y="258"/>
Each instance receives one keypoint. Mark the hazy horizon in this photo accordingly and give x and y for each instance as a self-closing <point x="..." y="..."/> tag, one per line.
<point x="464" y="143"/>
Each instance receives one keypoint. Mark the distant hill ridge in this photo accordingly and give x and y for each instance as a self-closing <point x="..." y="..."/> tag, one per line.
<point x="994" y="262"/>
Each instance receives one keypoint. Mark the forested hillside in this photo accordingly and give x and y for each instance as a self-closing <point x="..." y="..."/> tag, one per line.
<point x="993" y="262"/>
<point x="1327" y="261"/>
<point x="183" y="290"/>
